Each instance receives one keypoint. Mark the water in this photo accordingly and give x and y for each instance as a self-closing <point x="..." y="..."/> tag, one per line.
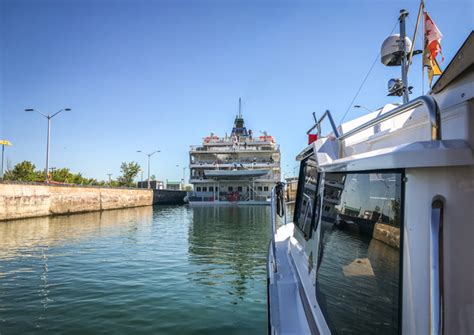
<point x="168" y="270"/>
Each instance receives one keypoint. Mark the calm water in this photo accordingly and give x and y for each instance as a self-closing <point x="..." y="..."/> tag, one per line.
<point x="168" y="270"/>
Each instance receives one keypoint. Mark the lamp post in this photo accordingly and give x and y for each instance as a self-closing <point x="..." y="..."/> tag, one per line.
<point x="48" y="117"/>
<point x="110" y="178"/>
<point x="4" y="143"/>
<point x="361" y="106"/>
<point x="149" y="155"/>
<point x="184" y="176"/>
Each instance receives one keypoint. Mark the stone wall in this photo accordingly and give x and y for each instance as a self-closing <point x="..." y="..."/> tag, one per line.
<point x="19" y="201"/>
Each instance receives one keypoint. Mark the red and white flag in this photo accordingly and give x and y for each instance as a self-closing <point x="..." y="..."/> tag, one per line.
<point x="432" y="47"/>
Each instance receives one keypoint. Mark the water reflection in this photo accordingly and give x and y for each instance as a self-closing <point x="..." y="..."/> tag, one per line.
<point x="359" y="255"/>
<point x="25" y="237"/>
<point x="161" y="270"/>
<point x="230" y="245"/>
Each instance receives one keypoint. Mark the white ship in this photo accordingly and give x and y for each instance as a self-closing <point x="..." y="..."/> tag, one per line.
<point x="381" y="238"/>
<point x="236" y="169"/>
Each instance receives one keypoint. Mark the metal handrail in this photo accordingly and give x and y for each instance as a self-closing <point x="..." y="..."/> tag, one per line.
<point x="318" y="123"/>
<point x="428" y="101"/>
<point x="436" y="262"/>
<point x="273" y="215"/>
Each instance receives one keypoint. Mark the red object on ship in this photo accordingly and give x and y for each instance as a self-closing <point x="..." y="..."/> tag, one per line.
<point x="312" y="138"/>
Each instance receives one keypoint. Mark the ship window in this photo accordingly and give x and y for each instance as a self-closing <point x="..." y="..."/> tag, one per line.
<point x="230" y="188"/>
<point x="358" y="270"/>
<point x="259" y="188"/>
<point x="239" y="188"/>
<point x="211" y="189"/>
<point x="204" y="189"/>
<point x="198" y="189"/>
<point x="265" y="188"/>
<point x="305" y="214"/>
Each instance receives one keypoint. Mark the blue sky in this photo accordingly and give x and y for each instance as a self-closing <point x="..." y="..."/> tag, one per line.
<point x="148" y="75"/>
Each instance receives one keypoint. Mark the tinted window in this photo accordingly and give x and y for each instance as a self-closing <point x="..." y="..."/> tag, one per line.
<point x="359" y="258"/>
<point x="198" y="189"/>
<point x="239" y="188"/>
<point x="265" y="188"/>
<point x="230" y="188"/>
<point x="211" y="189"/>
<point x="204" y="189"/>
<point x="305" y="201"/>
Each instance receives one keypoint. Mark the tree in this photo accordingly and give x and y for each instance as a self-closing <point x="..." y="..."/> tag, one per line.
<point x="129" y="172"/>
<point x="24" y="171"/>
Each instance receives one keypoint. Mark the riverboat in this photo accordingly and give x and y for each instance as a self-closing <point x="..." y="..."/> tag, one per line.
<point x="381" y="238"/>
<point x="236" y="169"/>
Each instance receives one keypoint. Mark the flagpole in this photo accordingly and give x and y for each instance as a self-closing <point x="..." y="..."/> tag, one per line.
<point x="410" y="56"/>
<point x="422" y="7"/>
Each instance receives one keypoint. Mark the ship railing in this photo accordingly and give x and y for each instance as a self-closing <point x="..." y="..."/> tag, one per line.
<point x="427" y="101"/>
<point x="317" y="124"/>
<point x="424" y="100"/>
<point x="239" y="147"/>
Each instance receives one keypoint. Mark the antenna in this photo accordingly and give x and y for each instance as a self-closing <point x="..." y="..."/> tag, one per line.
<point x="240" y="107"/>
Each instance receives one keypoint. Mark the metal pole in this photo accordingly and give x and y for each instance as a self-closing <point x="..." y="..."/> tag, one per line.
<point x="184" y="176"/>
<point x="3" y="152"/>
<point x="47" y="148"/>
<point x="403" y="15"/>
<point x="149" y="170"/>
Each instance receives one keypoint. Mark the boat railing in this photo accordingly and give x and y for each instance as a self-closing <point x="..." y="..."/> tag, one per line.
<point x="317" y="124"/>
<point x="273" y="223"/>
<point x="424" y="100"/>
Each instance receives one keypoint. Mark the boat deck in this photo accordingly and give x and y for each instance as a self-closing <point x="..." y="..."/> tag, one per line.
<point x="286" y="307"/>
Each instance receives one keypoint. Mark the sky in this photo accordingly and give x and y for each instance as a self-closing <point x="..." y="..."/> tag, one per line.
<point x="161" y="75"/>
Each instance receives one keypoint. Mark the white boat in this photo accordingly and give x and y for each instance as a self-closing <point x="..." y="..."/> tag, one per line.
<point x="391" y="250"/>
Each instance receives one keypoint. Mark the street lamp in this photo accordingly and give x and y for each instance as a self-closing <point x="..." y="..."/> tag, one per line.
<point x="361" y="106"/>
<point x="149" y="155"/>
<point x="4" y="143"/>
<point x="184" y="176"/>
<point x="49" y="117"/>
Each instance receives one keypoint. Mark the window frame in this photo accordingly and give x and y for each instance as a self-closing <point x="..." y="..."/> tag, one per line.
<point x="299" y="195"/>
<point x="402" y="173"/>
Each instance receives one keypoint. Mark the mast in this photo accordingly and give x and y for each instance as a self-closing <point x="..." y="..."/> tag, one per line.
<point x="403" y="15"/>
<point x="240" y="108"/>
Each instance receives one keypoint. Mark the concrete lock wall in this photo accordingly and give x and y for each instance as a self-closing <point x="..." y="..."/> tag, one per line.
<point x="27" y="200"/>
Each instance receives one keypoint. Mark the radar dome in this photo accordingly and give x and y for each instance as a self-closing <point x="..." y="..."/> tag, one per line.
<point x="391" y="52"/>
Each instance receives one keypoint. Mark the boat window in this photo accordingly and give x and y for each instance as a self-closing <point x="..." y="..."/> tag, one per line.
<point x="305" y="208"/>
<point x="211" y="189"/>
<point x="204" y="189"/>
<point x="358" y="271"/>
<point x="239" y="188"/>
<point x="198" y="189"/>
<point x="230" y="188"/>
<point x="265" y="188"/>
<point x="259" y="188"/>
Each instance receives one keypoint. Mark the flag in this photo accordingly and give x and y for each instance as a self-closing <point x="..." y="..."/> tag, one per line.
<point x="432" y="47"/>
